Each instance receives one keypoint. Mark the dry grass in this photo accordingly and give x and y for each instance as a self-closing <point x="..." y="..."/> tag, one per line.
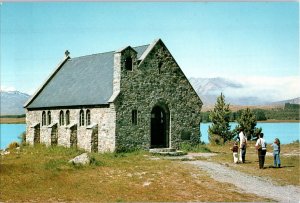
<point x="43" y="174"/>
<point x="289" y="174"/>
<point x="12" y="120"/>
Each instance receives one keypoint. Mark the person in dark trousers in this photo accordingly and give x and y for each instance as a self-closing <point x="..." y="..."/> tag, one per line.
<point x="261" y="147"/>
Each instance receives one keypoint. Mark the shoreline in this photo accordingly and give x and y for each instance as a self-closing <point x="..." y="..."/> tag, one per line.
<point x="12" y="120"/>
<point x="279" y="121"/>
<point x="267" y="121"/>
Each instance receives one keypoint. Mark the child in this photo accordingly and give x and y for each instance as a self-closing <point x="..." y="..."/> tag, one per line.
<point x="235" y="149"/>
<point x="276" y="152"/>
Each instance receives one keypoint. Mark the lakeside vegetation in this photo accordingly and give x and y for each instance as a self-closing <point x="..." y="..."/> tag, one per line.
<point x="290" y="112"/>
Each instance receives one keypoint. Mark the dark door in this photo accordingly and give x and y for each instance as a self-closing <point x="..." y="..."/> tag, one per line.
<point x="73" y="136"/>
<point x="54" y="135"/>
<point x="94" y="141"/>
<point x="159" y="137"/>
<point x="36" y="138"/>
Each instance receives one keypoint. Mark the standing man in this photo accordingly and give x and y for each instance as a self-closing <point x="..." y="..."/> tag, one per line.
<point x="261" y="147"/>
<point x="243" y="145"/>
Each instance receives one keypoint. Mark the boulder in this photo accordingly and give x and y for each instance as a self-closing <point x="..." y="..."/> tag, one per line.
<point x="81" y="159"/>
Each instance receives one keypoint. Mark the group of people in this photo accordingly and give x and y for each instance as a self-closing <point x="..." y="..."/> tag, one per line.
<point x="239" y="151"/>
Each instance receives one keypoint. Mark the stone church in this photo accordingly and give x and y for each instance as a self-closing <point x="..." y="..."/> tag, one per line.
<point x="132" y="98"/>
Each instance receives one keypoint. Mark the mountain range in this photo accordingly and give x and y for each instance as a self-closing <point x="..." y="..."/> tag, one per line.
<point x="208" y="89"/>
<point x="12" y="102"/>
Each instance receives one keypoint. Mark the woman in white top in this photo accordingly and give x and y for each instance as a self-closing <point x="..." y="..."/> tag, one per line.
<point x="261" y="147"/>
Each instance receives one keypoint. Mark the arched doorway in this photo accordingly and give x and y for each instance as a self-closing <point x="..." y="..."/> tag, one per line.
<point x="160" y="127"/>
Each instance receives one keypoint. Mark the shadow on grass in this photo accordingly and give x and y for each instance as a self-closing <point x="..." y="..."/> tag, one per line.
<point x="281" y="167"/>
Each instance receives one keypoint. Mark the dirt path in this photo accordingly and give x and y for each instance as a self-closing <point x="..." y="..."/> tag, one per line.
<point x="248" y="183"/>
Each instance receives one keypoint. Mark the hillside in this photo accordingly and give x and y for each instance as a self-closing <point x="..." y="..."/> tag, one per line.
<point x="12" y="102"/>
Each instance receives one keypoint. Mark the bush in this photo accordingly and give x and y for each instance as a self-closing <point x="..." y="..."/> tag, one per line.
<point x="187" y="147"/>
<point x="13" y="145"/>
<point x="216" y="140"/>
<point x="22" y="138"/>
<point x="95" y="162"/>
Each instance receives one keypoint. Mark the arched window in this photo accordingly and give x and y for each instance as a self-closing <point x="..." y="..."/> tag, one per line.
<point x="43" y="118"/>
<point x="81" y="118"/>
<point x="49" y="117"/>
<point x="61" y="118"/>
<point x="88" y="117"/>
<point x="67" y="117"/>
<point x="128" y="63"/>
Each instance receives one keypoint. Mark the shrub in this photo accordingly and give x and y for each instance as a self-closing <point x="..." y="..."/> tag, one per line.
<point x="13" y="145"/>
<point x="187" y="147"/>
<point x="22" y="138"/>
<point x="216" y="140"/>
<point x="95" y="162"/>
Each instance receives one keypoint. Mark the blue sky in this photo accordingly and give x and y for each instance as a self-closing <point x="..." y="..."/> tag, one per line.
<point x="242" y="41"/>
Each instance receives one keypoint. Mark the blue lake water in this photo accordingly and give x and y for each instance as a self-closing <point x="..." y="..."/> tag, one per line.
<point x="10" y="133"/>
<point x="286" y="132"/>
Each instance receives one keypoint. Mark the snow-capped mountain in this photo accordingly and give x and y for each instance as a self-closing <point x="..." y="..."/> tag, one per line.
<point x="12" y="102"/>
<point x="209" y="89"/>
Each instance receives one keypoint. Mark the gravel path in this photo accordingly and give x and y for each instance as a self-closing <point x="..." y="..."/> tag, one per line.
<point x="248" y="183"/>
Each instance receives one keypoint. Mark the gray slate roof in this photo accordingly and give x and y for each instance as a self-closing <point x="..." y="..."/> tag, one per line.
<point x="86" y="80"/>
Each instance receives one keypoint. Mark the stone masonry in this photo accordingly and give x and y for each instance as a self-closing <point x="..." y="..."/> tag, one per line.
<point x="157" y="80"/>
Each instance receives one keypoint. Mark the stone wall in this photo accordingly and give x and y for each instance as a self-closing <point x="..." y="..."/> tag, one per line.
<point x="102" y="119"/>
<point x="157" y="80"/>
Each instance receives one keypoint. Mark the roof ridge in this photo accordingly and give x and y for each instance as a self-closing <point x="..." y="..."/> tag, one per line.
<point x="105" y="52"/>
<point x="92" y="55"/>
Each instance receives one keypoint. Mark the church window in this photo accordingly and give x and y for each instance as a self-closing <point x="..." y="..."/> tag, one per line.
<point x="134" y="117"/>
<point x="61" y="118"/>
<point x="81" y="118"/>
<point x="159" y="67"/>
<point x="43" y="118"/>
<point x="67" y="117"/>
<point x="49" y="117"/>
<point x="88" y="117"/>
<point x="128" y="63"/>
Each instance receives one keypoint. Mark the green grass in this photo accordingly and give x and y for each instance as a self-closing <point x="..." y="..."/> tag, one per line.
<point x="289" y="174"/>
<point x="43" y="174"/>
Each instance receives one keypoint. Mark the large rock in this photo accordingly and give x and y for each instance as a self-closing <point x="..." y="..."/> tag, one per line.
<point x="81" y="159"/>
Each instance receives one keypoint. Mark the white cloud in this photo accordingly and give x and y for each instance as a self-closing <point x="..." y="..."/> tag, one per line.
<point x="267" y="88"/>
<point x="7" y="88"/>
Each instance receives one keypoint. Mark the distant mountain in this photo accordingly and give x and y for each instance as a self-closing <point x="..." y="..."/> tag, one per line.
<point x="209" y="89"/>
<point x="291" y="101"/>
<point x="12" y="102"/>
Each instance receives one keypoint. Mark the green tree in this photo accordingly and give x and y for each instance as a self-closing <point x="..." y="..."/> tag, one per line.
<point x="219" y="131"/>
<point x="247" y="121"/>
<point x="260" y="114"/>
